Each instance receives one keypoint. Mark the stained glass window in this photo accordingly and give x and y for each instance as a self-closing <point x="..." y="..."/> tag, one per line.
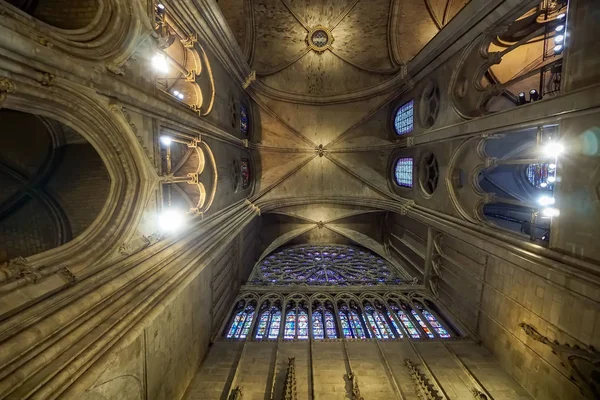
<point x="241" y="324"/>
<point x="335" y="265"/>
<point x="435" y="324"/>
<point x="396" y="327"/>
<point x="268" y="324"/>
<point x="542" y="176"/>
<point x="357" y="329"/>
<point x="244" y="123"/>
<point x="318" y="332"/>
<point x="403" y="172"/>
<point x="378" y="324"/>
<point x="245" y="172"/>
<point x="330" y="325"/>
<point x="404" y="119"/>
<point x="302" y="325"/>
<point x="423" y="325"/>
<point x="290" y="325"/>
<point x="345" y="325"/>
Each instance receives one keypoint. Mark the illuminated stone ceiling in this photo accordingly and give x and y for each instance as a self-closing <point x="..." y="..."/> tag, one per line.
<point x="326" y="73"/>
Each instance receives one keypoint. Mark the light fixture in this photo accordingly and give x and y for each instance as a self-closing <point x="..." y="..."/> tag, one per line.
<point x="558" y="48"/>
<point x="543" y="184"/>
<point x="180" y="96"/>
<point x="521" y="100"/>
<point x="553" y="150"/>
<point x="546" y="201"/>
<point x="160" y="6"/>
<point x="159" y="62"/>
<point x="176" y="92"/>
<point x="561" y="16"/>
<point x="551" y="179"/>
<point x="170" y="220"/>
<point x="165" y="140"/>
<point x="559" y="28"/>
<point x="552" y="166"/>
<point x="534" y="95"/>
<point x="559" y="38"/>
<point x="550" y="212"/>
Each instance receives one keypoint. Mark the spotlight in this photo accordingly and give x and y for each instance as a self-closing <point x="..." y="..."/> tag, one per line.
<point x="160" y="6"/>
<point x="551" y="179"/>
<point x="521" y="100"/>
<point x="180" y="96"/>
<point x="543" y="184"/>
<point x="558" y="49"/>
<point x="553" y="150"/>
<point x="552" y="167"/>
<point x="170" y="220"/>
<point x="165" y="140"/>
<point x="534" y="95"/>
<point x="550" y="212"/>
<point x="159" y="62"/>
<point x="561" y="16"/>
<point x="176" y="92"/>
<point x="559" y="38"/>
<point x="559" y="28"/>
<point x="546" y="201"/>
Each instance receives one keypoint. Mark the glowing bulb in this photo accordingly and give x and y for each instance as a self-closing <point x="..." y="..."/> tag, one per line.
<point x="546" y="201"/>
<point x="550" y="212"/>
<point x="165" y="140"/>
<point x="176" y="92"/>
<point x="551" y="179"/>
<point x="180" y="96"/>
<point x="559" y="28"/>
<point x="159" y="62"/>
<point x="558" y="48"/>
<point x="561" y="16"/>
<point x="553" y="149"/>
<point x="170" y="220"/>
<point x="559" y="38"/>
<point x="543" y="184"/>
<point x="160" y="6"/>
<point x="552" y="166"/>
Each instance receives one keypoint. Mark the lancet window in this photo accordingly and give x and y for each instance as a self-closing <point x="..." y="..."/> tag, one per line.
<point x="269" y="322"/>
<point x="242" y="321"/>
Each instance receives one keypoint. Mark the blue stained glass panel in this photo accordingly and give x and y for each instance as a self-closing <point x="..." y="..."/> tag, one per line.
<point x="345" y="326"/>
<point x="244" y="123"/>
<point x="542" y="176"/>
<point x="247" y="325"/>
<point x="404" y="119"/>
<point x="398" y="330"/>
<point x="410" y="327"/>
<point x="262" y="325"/>
<point x="403" y="172"/>
<point x="318" y="332"/>
<point x="357" y="329"/>
<point x="302" y="325"/>
<point x="290" y="326"/>
<point x="423" y="325"/>
<point x="275" y="322"/>
<point x="330" y="325"/>
<point x="435" y="324"/>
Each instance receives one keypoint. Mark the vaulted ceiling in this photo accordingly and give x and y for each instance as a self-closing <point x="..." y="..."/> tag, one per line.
<point x="321" y="129"/>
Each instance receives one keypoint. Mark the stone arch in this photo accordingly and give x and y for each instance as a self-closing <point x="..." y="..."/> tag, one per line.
<point x="62" y="14"/>
<point x="108" y="131"/>
<point x="55" y="184"/>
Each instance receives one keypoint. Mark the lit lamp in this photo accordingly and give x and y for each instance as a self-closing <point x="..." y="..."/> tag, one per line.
<point x="534" y="95"/>
<point x="159" y="62"/>
<point x="522" y="100"/>
<point x="165" y="140"/>
<point x="170" y="220"/>
<point x="550" y="212"/>
<point x="553" y="150"/>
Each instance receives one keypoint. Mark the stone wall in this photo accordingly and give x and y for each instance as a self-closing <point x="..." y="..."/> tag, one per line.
<point x="322" y="369"/>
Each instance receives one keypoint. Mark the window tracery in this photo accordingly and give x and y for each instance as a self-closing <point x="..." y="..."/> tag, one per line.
<point x="324" y="266"/>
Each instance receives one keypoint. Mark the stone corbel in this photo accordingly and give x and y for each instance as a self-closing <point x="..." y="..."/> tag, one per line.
<point x="194" y="143"/>
<point x="190" y="41"/>
<point x="6" y="87"/>
<point x="68" y="276"/>
<point x="193" y="178"/>
<point x="251" y="78"/>
<point x="190" y="77"/>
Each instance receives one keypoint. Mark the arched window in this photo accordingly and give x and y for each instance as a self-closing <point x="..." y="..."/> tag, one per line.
<point x="330" y="328"/>
<point x="240" y="327"/>
<point x="405" y="320"/>
<point x="378" y="324"/>
<point x="302" y="325"/>
<point x="396" y="327"/>
<point x="404" y="118"/>
<point x="403" y="172"/>
<point x="244" y="121"/>
<point x="290" y="325"/>
<point x="269" y="323"/>
<point x="352" y="324"/>
<point x="441" y="331"/>
<point x="423" y="325"/>
<point x="318" y="331"/>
